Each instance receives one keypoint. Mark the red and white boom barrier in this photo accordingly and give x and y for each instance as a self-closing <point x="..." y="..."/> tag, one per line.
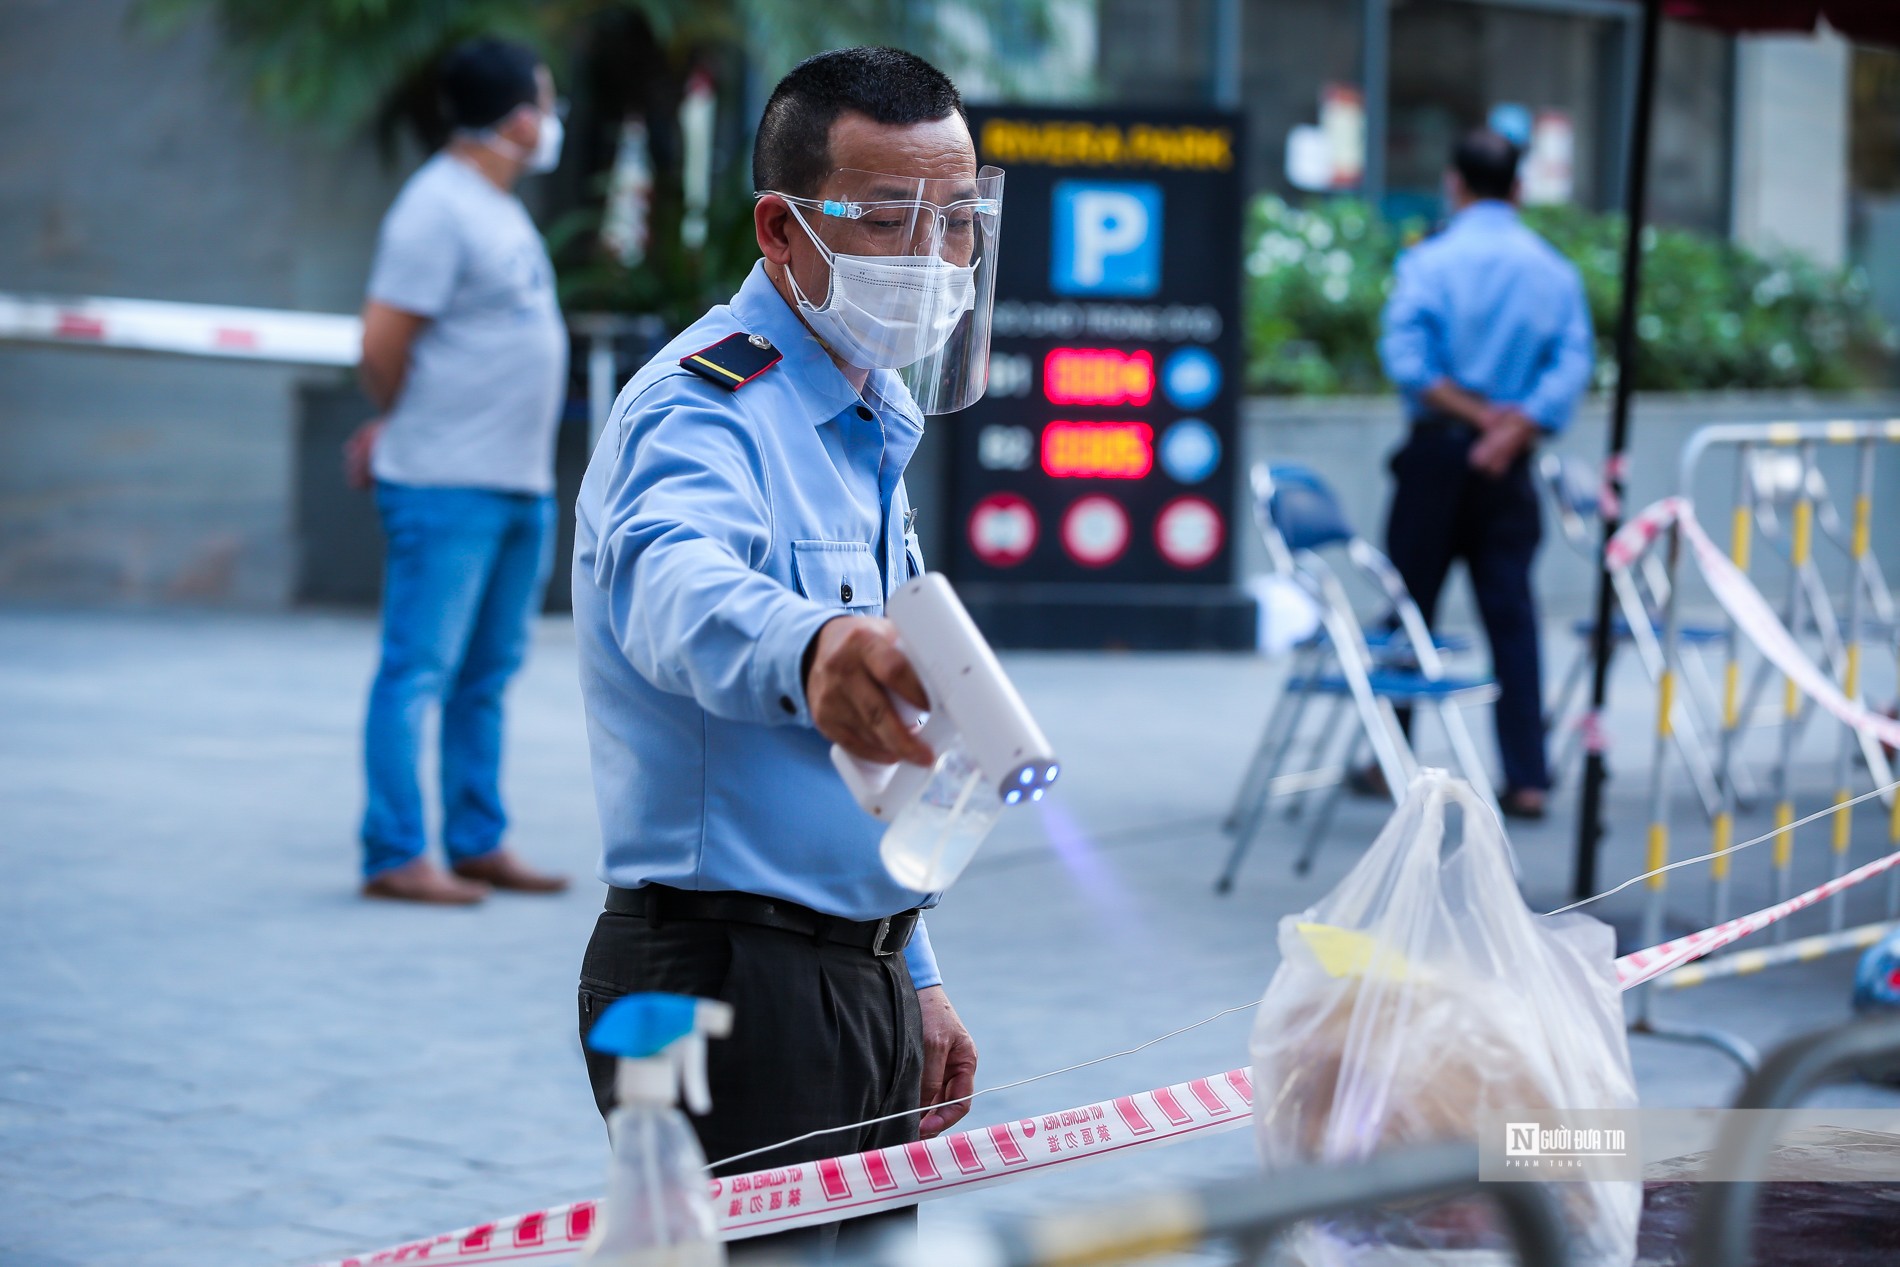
<point x="150" y="325"/>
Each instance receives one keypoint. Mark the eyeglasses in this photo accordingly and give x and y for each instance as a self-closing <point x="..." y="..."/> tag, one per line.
<point x="902" y="218"/>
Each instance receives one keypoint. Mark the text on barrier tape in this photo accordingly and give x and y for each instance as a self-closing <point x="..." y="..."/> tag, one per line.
<point x="823" y="1191"/>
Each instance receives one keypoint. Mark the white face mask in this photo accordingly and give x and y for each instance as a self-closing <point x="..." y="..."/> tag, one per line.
<point x="887" y="311"/>
<point x="546" y="154"/>
<point x="547" y="149"/>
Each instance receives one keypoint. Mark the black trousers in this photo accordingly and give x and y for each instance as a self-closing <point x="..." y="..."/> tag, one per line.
<point x="1442" y="511"/>
<point x="822" y="1035"/>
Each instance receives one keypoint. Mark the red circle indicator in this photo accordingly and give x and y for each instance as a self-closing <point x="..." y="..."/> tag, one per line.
<point x="1095" y="531"/>
<point x="1189" y="532"/>
<point x="1003" y="530"/>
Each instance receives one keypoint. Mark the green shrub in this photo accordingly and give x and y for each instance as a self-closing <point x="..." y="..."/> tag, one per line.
<point x="1714" y="315"/>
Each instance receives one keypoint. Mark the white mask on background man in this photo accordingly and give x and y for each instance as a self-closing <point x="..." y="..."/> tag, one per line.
<point x="547" y="150"/>
<point x="546" y="154"/>
<point x="886" y="311"/>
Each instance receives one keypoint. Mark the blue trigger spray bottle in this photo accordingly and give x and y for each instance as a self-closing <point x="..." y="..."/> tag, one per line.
<point x="657" y="1211"/>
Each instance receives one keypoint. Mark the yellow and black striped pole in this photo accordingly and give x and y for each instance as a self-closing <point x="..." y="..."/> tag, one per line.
<point x="1800" y="546"/>
<point x="1741" y="526"/>
<point x="1858" y="544"/>
<point x="1658" y="851"/>
<point x="1744" y="963"/>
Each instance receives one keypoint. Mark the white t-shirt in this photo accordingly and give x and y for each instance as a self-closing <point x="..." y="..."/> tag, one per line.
<point x="488" y="375"/>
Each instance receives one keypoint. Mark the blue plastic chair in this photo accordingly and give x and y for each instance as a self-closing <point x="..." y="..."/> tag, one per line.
<point x="1299" y="518"/>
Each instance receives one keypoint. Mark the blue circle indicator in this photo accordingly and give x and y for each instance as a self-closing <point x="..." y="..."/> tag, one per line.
<point x="1190" y="450"/>
<point x="1191" y="378"/>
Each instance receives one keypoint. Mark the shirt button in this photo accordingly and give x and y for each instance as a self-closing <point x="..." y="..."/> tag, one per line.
<point x="785" y="702"/>
<point x="864" y="413"/>
<point x="844" y="592"/>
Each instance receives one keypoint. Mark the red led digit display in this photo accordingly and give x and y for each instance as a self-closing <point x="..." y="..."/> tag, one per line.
<point x="1098" y="450"/>
<point x="1098" y="376"/>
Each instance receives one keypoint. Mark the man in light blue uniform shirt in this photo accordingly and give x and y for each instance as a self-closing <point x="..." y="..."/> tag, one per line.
<point x="1487" y="337"/>
<point x="741" y="523"/>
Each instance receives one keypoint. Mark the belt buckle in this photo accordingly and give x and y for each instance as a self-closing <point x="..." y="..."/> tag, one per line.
<point x="877" y="942"/>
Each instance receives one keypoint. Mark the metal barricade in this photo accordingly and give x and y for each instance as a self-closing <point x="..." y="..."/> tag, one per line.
<point x="1252" y="1211"/>
<point x="1808" y="611"/>
<point x="1724" y="1229"/>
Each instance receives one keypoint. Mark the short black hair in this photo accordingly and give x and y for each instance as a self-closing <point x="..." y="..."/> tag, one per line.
<point x="486" y="79"/>
<point x="1486" y="162"/>
<point x="792" y="153"/>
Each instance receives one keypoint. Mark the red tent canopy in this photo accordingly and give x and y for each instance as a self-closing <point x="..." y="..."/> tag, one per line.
<point x="1877" y="21"/>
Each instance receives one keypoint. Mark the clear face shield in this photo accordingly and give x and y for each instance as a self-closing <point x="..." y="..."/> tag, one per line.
<point x="913" y="277"/>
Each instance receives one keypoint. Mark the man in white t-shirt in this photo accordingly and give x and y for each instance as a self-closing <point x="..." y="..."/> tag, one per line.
<point x="465" y="350"/>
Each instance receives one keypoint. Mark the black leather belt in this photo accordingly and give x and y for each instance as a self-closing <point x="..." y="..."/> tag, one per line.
<point x="1441" y="422"/>
<point x="656" y="903"/>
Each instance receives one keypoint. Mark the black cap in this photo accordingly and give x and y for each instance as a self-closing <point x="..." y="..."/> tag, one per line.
<point x="487" y="79"/>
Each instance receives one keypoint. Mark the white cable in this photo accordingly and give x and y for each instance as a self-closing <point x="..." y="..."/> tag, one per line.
<point x="1687" y="862"/>
<point x="1021" y="1082"/>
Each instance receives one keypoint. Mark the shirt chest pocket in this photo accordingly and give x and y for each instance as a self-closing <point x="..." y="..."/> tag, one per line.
<point x="841" y="574"/>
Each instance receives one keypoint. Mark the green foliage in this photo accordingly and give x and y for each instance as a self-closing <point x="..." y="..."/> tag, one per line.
<point x="674" y="282"/>
<point x="1713" y="315"/>
<point x="341" y="65"/>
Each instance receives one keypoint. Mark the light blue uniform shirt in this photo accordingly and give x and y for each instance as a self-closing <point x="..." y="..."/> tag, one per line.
<point x="1493" y="307"/>
<point x="716" y="531"/>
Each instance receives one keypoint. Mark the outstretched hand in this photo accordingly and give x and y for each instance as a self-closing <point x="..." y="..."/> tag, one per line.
<point x="856" y="667"/>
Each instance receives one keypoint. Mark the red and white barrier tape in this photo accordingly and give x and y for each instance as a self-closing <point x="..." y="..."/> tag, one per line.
<point x="1750" y="611"/>
<point x="866" y="1183"/>
<point x="1615" y="467"/>
<point x="149" y="325"/>
<point x="1644" y="965"/>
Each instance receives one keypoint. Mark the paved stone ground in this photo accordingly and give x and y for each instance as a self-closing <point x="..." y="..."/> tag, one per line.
<point x="212" y="1053"/>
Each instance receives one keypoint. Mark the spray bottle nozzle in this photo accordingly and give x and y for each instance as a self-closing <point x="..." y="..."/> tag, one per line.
<point x="661" y="1042"/>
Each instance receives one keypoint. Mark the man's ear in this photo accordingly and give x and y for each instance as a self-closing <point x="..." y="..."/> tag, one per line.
<point x="522" y="126"/>
<point x="773" y="225"/>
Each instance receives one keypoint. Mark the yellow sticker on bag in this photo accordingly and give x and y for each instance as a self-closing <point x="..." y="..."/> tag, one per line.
<point x="1342" y="952"/>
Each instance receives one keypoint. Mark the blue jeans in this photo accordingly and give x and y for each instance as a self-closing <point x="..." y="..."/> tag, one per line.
<point x="465" y="573"/>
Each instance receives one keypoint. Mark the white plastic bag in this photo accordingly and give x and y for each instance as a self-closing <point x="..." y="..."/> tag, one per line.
<point x="1420" y="992"/>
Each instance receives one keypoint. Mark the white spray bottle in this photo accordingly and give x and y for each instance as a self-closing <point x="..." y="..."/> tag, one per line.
<point x="990" y="752"/>
<point x="658" y="1208"/>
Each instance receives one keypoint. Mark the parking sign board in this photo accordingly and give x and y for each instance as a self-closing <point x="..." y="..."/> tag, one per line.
<point x="1093" y="487"/>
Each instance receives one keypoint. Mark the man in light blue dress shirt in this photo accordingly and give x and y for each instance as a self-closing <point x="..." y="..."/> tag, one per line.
<point x="1487" y="337"/>
<point x="740" y="525"/>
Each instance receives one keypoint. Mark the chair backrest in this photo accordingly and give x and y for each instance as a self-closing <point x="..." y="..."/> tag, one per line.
<point x="1301" y="507"/>
<point x="1572" y="483"/>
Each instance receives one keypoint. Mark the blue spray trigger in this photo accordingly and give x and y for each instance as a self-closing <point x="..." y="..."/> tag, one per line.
<point x="642" y="1025"/>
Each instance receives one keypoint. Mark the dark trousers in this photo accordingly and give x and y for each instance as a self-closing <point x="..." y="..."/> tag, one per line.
<point x="822" y="1035"/>
<point x="1443" y="510"/>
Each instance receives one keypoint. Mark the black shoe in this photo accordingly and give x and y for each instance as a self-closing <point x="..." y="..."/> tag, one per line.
<point x="1527" y="803"/>
<point x="1368" y="782"/>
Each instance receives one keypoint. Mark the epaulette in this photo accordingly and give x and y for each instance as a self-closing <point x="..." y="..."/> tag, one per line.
<point x="734" y="361"/>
